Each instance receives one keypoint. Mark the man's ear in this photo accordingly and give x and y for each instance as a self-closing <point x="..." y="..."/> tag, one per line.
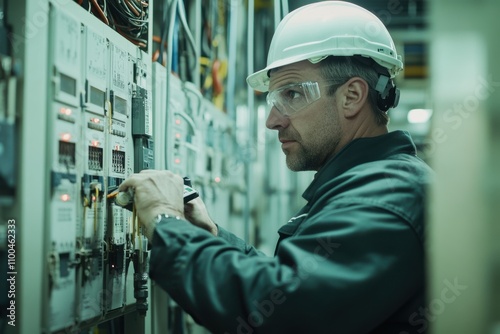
<point x="354" y="96"/>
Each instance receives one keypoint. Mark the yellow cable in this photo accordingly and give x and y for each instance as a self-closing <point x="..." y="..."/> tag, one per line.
<point x="205" y="61"/>
<point x="84" y="220"/>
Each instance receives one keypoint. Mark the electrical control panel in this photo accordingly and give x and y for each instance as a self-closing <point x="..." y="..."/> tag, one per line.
<point x="66" y="164"/>
<point x="111" y="112"/>
<point x="100" y="123"/>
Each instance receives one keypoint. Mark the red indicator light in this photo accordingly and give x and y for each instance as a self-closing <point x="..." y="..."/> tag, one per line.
<point x="65" y="197"/>
<point x="178" y="135"/>
<point x="95" y="120"/>
<point x="217" y="179"/>
<point x="65" y="111"/>
<point x="117" y="147"/>
<point x="66" y="136"/>
<point x="95" y="143"/>
<point x="177" y="160"/>
<point x="178" y="121"/>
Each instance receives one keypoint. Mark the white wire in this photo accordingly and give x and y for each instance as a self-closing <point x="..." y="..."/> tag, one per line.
<point x="284" y="7"/>
<point x="173" y="10"/>
<point x="187" y="118"/>
<point x="251" y="106"/>
<point x="182" y="15"/>
<point x="277" y="13"/>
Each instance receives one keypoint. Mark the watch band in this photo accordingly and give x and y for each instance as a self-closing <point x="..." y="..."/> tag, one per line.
<point x="159" y="217"/>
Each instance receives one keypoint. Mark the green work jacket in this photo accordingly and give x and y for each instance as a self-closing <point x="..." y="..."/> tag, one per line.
<point x="351" y="261"/>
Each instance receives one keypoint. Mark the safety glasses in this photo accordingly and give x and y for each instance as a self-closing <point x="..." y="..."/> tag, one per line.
<point x="293" y="97"/>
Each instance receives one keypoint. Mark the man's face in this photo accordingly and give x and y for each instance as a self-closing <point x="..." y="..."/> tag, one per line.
<point x="309" y="136"/>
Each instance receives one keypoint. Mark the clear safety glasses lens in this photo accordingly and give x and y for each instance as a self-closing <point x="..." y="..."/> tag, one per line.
<point x="294" y="97"/>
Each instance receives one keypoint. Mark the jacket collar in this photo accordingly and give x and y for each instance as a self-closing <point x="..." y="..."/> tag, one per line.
<point x="360" y="151"/>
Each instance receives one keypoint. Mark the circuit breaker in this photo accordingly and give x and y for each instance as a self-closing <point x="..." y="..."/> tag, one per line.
<point x="142" y="119"/>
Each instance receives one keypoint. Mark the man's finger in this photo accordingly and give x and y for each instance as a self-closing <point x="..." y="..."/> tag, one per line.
<point x="129" y="182"/>
<point x="149" y="171"/>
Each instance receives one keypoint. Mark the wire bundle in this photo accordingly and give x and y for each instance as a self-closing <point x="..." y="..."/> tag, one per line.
<point x="128" y="17"/>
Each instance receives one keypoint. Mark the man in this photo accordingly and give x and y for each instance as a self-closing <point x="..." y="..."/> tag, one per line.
<point x="352" y="260"/>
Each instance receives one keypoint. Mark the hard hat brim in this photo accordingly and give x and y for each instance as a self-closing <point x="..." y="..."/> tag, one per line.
<point x="259" y="80"/>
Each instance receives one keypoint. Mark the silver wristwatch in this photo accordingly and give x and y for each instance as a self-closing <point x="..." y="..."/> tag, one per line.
<point x="159" y="217"/>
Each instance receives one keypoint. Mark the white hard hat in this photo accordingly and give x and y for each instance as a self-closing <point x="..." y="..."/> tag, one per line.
<point x="328" y="28"/>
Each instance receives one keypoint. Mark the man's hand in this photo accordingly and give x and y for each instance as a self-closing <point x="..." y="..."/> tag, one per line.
<point x="196" y="212"/>
<point x="155" y="192"/>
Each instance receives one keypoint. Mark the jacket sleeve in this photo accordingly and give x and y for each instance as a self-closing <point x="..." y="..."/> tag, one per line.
<point x="238" y="243"/>
<point x="351" y="266"/>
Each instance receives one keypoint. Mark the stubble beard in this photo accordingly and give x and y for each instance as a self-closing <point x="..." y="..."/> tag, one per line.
<point x="314" y="154"/>
<point x="310" y="159"/>
<point x="301" y="160"/>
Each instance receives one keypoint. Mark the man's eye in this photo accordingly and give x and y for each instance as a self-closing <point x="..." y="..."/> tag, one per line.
<point x="291" y="94"/>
